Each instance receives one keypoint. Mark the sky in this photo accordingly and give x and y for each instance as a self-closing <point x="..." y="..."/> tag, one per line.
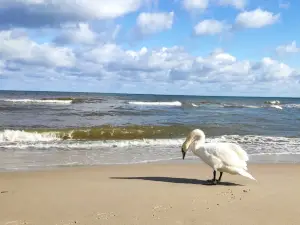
<point x="186" y="47"/>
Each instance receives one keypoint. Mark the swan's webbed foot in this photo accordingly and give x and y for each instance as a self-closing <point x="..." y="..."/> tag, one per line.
<point x="212" y="182"/>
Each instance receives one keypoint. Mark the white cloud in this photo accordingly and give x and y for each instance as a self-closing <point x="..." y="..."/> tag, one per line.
<point x="38" y="13"/>
<point x="257" y="18"/>
<point x="105" y="53"/>
<point x="210" y="27"/>
<point x="149" y="23"/>
<point x="18" y="47"/>
<point x="289" y="48"/>
<point x="269" y="69"/>
<point x="195" y="4"/>
<point x="77" y="33"/>
<point x="116" y="32"/>
<point x="2" y="65"/>
<point x="239" y="4"/>
<point x="106" y="66"/>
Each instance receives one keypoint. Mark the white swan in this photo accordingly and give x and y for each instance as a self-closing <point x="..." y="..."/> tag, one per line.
<point x="222" y="157"/>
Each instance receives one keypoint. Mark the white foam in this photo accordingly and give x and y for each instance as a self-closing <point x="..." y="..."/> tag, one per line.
<point x="38" y="101"/>
<point x="73" y="144"/>
<point x="251" y="106"/>
<point x="253" y="144"/>
<point x="276" y="106"/>
<point x="23" y="136"/>
<point x="262" y="144"/>
<point x="278" y="153"/>
<point x="275" y="102"/>
<point x="15" y="139"/>
<point x="23" y="150"/>
<point x="174" y="103"/>
<point x="292" y="106"/>
<point x="241" y="106"/>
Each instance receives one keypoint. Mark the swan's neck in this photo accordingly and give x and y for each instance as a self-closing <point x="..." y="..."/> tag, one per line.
<point x="197" y="144"/>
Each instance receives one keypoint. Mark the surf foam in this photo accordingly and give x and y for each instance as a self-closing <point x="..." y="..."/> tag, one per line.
<point x="37" y="101"/>
<point x="174" y="103"/>
<point x="23" y="136"/>
<point x="253" y="144"/>
<point x="276" y="107"/>
<point x="292" y="106"/>
<point x="274" y="102"/>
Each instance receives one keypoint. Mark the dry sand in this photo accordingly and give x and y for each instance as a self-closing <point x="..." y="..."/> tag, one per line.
<point x="150" y="194"/>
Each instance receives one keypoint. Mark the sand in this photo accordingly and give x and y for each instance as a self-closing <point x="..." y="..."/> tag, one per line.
<point x="150" y="194"/>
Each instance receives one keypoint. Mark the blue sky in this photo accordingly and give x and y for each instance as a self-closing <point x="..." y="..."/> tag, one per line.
<point x="201" y="47"/>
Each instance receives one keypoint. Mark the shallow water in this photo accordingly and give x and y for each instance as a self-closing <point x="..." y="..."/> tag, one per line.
<point x="47" y="129"/>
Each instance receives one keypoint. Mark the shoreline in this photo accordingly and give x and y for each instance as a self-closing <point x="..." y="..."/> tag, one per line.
<point x="273" y="159"/>
<point x="154" y="193"/>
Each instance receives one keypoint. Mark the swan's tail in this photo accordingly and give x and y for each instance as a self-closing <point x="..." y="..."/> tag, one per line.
<point x="246" y="174"/>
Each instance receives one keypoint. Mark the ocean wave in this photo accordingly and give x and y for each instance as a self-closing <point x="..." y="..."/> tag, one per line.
<point x="278" y="153"/>
<point x="37" y="101"/>
<point x="276" y="106"/>
<point x="95" y="133"/>
<point x="259" y="139"/>
<point x="268" y="104"/>
<point x="297" y="106"/>
<point x="174" y="103"/>
<point x="23" y="136"/>
<point x="73" y="144"/>
<point x="183" y="104"/>
<point x="60" y="100"/>
<point x="241" y="106"/>
<point x="253" y="144"/>
<point x="130" y="132"/>
<point x="263" y="144"/>
<point x="274" y="102"/>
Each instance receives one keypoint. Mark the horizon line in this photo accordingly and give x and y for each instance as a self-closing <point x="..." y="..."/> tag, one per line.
<point x="120" y="93"/>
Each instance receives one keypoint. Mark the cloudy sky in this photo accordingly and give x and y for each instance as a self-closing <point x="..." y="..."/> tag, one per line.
<point x="202" y="47"/>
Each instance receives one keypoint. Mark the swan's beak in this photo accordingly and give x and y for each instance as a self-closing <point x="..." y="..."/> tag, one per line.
<point x="183" y="153"/>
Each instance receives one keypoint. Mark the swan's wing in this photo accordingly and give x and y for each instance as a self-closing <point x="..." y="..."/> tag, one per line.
<point x="227" y="153"/>
<point x="239" y="151"/>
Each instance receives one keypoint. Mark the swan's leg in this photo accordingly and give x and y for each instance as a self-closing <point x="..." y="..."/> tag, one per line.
<point x="220" y="177"/>
<point x="213" y="181"/>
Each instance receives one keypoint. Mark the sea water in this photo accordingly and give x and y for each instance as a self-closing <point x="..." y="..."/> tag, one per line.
<point x="53" y="129"/>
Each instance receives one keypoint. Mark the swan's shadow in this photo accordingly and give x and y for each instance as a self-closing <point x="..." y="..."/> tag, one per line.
<point x="176" y="180"/>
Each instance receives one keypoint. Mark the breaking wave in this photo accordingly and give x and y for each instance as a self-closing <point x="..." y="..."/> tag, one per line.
<point x="23" y="150"/>
<point x="61" y="100"/>
<point x="297" y="106"/>
<point x="95" y="133"/>
<point x="23" y="136"/>
<point x="276" y="106"/>
<point x="153" y="104"/>
<point x="241" y="106"/>
<point x="24" y="139"/>
<point x="37" y="101"/>
<point x="275" y="102"/>
<point x="174" y="103"/>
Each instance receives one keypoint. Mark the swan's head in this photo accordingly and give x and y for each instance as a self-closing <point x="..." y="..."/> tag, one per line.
<point x="193" y="136"/>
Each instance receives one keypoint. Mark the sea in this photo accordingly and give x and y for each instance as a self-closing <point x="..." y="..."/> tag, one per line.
<point x="43" y="130"/>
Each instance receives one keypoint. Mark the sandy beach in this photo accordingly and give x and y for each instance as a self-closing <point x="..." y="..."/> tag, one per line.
<point x="150" y="194"/>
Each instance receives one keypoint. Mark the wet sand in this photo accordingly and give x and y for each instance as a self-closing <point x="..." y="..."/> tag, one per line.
<point x="150" y="194"/>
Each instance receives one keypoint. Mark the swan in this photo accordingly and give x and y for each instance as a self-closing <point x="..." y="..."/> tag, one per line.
<point x="222" y="157"/>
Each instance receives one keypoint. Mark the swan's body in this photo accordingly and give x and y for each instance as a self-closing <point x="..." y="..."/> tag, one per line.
<point x="223" y="157"/>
